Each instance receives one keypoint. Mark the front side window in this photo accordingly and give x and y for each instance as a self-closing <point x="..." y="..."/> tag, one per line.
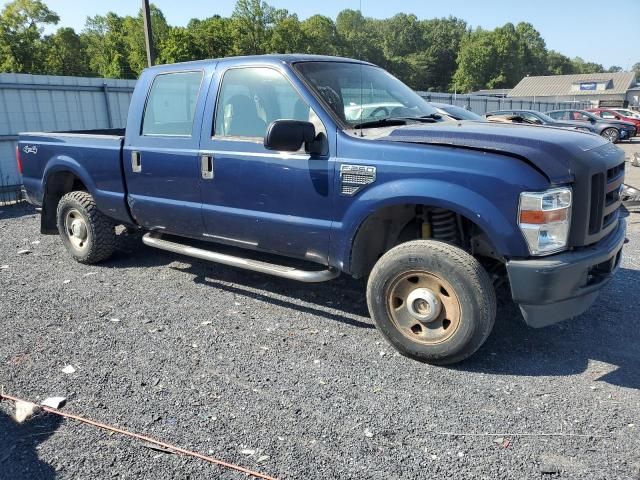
<point x="581" y="116"/>
<point x="171" y="105"/>
<point x="358" y="93"/>
<point x="253" y="97"/>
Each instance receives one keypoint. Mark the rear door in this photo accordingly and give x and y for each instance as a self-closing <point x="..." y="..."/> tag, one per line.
<point x="256" y="198"/>
<point x="161" y="160"/>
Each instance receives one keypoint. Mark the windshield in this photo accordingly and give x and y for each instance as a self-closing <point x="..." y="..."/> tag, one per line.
<point x="359" y="93"/>
<point x="544" y="117"/>
<point x="628" y="113"/>
<point x="459" y="113"/>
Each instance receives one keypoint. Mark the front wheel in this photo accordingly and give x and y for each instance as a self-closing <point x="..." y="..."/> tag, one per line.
<point x="611" y="134"/>
<point x="432" y="301"/>
<point x="88" y="235"/>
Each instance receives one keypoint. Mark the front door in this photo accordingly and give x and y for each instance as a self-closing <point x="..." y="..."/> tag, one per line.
<point x="161" y="160"/>
<point x="256" y="198"/>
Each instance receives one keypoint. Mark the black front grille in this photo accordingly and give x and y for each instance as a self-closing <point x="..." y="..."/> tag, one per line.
<point x="605" y="198"/>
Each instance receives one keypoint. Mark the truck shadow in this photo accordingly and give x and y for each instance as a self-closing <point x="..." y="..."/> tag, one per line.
<point x="341" y="300"/>
<point x="603" y="341"/>
<point x="16" y="210"/>
<point x="18" y="447"/>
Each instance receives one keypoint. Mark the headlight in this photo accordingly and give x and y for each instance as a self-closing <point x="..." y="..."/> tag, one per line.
<point x="544" y="218"/>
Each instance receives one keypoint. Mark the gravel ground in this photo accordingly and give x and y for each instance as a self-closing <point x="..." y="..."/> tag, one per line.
<point x="293" y="380"/>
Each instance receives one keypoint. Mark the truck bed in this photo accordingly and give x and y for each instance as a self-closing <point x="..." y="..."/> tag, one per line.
<point x="93" y="156"/>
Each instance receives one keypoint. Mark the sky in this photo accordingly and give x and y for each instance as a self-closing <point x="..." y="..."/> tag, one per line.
<point x="610" y="36"/>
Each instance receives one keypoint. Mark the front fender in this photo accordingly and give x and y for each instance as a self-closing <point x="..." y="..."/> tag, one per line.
<point x="496" y="220"/>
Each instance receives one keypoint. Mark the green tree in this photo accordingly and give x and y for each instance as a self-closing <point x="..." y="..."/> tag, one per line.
<point x="133" y="38"/>
<point x="21" y="45"/>
<point x="359" y="37"/>
<point x="320" y="35"/>
<point x="288" y="36"/>
<point x="253" y="23"/>
<point x="65" y="54"/>
<point x="614" y="69"/>
<point x="212" y="37"/>
<point x="104" y="41"/>
<point x="558" y="64"/>
<point x="442" y="40"/>
<point x="580" y="66"/>
<point x="178" y="45"/>
<point x="534" y="50"/>
<point x="636" y="69"/>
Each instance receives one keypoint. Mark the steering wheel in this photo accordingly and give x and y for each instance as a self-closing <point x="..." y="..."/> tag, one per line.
<point x="376" y="111"/>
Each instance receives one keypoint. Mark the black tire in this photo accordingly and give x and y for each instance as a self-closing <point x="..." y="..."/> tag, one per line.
<point x="611" y="134"/>
<point x="472" y="291"/>
<point x="99" y="240"/>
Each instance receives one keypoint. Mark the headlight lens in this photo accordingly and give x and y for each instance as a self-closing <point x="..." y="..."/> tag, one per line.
<point x="545" y="218"/>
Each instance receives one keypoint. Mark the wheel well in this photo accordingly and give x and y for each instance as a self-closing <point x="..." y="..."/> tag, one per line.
<point x="58" y="185"/>
<point x="391" y="226"/>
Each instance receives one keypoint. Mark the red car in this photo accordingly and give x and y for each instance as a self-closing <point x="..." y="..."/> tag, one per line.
<point x="611" y="114"/>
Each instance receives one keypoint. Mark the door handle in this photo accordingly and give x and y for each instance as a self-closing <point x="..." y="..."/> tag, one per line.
<point x="206" y="166"/>
<point x="136" y="162"/>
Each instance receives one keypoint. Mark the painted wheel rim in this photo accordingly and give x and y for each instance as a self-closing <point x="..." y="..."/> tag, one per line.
<point x="77" y="230"/>
<point x="423" y="307"/>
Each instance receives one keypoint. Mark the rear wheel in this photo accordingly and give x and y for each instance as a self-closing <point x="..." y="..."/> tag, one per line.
<point x="87" y="234"/>
<point x="611" y="134"/>
<point x="432" y="301"/>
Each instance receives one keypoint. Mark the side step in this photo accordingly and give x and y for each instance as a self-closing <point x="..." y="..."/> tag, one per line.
<point x="155" y="240"/>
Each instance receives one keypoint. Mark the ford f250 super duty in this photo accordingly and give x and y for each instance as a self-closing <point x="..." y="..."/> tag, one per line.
<point x="334" y="165"/>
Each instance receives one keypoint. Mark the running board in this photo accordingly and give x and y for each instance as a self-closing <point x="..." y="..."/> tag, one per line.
<point x="156" y="240"/>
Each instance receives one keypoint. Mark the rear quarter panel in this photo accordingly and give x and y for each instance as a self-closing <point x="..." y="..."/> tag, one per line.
<point x="94" y="159"/>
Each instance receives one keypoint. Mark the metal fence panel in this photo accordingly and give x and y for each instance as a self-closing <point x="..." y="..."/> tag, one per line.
<point x="54" y="103"/>
<point x="481" y="104"/>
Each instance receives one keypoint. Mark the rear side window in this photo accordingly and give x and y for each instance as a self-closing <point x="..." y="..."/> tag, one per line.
<point x="171" y="104"/>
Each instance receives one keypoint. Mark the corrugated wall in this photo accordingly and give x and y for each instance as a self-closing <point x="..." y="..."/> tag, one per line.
<point x="52" y="103"/>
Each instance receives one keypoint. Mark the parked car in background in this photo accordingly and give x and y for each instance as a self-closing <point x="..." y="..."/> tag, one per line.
<point x="610" y="114"/>
<point x="612" y="130"/>
<point x="627" y="113"/>
<point x="533" y="117"/>
<point x="455" y="112"/>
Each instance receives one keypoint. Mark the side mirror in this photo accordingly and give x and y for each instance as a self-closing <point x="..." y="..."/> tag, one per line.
<point x="290" y="135"/>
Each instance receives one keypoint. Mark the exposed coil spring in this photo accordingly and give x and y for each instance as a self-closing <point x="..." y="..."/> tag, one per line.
<point x="444" y="226"/>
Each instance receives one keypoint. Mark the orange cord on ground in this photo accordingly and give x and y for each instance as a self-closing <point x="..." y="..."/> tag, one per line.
<point x="144" y="438"/>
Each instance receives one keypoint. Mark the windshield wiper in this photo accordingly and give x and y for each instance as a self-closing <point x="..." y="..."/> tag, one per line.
<point x="387" y="121"/>
<point x="381" y="122"/>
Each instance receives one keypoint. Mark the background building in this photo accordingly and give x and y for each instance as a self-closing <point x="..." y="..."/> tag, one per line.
<point x="600" y="89"/>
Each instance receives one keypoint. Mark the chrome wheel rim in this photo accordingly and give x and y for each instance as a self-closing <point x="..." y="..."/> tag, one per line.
<point x="611" y="135"/>
<point x="76" y="230"/>
<point x="423" y="307"/>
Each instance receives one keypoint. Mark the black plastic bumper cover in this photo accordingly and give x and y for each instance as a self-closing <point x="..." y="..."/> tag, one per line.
<point x="565" y="285"/>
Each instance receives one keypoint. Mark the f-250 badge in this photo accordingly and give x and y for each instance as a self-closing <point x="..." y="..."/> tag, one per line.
<point x="30" y="149"/>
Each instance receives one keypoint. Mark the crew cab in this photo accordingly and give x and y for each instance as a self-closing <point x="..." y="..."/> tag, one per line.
<point x="265" y="154"/>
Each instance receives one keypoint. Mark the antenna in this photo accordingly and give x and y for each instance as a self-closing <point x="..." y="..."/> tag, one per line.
<point x="361" y="86"/>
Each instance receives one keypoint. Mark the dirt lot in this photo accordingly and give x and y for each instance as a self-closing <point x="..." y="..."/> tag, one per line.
<point x="293" y="380"/>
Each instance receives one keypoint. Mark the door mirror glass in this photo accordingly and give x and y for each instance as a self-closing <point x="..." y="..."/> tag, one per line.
<point x="290" y="136"/>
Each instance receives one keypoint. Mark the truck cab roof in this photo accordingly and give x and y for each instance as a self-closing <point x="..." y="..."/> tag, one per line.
<point x="256" y="60"/>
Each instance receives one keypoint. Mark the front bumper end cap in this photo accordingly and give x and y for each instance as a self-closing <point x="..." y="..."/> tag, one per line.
<point x="563" y="286"/>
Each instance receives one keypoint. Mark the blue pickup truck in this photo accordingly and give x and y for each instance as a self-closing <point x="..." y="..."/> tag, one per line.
<point x="334" y="165"/>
